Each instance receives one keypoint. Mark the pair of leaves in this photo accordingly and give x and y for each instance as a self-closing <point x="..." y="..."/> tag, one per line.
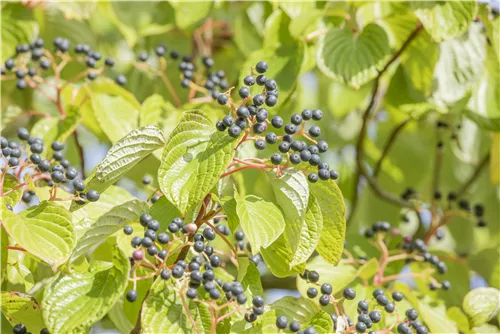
<point x="315" y="220"/>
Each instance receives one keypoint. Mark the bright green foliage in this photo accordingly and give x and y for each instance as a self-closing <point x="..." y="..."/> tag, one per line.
<point x="350" y="59"/>
<point x="45" y="231"/>
<point x="162" y="311"/>
<point x="261" y="221"/>
<point x="194" y="158"/>
<point x="92" y="293"/>
<point x="481" y="305"/>
<point x="14" y="195"/>
<point x="329" y="197"/>
<point x="108" y="224"/>
<point x="175" y="201"/>
<point x="22" y="308"/>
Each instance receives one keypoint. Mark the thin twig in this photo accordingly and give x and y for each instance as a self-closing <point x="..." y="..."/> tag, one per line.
<point x="372" y="106"/>
<point x="463" y="189"/>
<point x="198" y="221"/>
<point x="388" y="145"/>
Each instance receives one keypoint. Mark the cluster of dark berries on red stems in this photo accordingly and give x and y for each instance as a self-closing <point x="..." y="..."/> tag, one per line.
<point x="198" y="273"/>
<point x="368" y="313"/>
<point x="56" y="171"/>
<point x="253" y="119"/>
<point x="30" y="61"/>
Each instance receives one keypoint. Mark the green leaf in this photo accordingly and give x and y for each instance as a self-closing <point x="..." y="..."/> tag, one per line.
<point x="162" y="310"/>
<point x="435" y="317"/>
<point x="122" y="156"/>
<point x="276" y="32"/>
<point x="342" y="99"/>
<point x="153" y="29"/>
<point x="45" y="231"/>
<point x="67" y="126"/>
<point x="445" y="19"/>
<point x="4" y="252"/>
<point x="115" y="114"/>
<point x="154" y="109"/>
<point x="195" y="156"/>
<point x="481" y="305"/>
<point x="13" y="197"/>
<point x="246" y="36"/>
<point x="108" y="200"/>
<point x="20" y="308"/>
<point x="331" y="202"/>
<point x="339" y="277"/>
<point x="45" y="129"/>
<point x="108" y="224"/>
<point x="295" y="9"/>
<point x="456" y="314"/>
<point x="188" y="14"/>
<point x="164" y="212"/>
<point x="369" y="269"/>
<point x="106" y="8"/>
<point x="249" y="276"/>
<point x="304" y="23"/>
<point x="128" y="151"/>
<point x="9" y="114"/>
<point x="460" y="66"/>
<point x="229" y="204"/>
<point x="350" y="59"/>
<point x="291" y="190"/>
<point x="485" y="99"/>
<point x="75" y="301"/>
<point x="486" y="264"/>
<point x="420" y="56"/>
<point x="489" y="124"/>
<point x="14" y="32"/>
<point x="278" y="257"/>
<point x="284" y="62"/>
<point x="304" y="234"/>
<point x="261" y="221"/>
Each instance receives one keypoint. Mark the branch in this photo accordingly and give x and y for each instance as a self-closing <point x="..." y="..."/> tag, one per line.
<point x="199" y="221"/>
<point x="372" y="106"/>
<point x="463" y="189"/>
<point x="388" y="145"/>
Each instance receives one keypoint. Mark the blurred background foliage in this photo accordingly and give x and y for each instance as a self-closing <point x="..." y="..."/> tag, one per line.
<point x="450" y="72"/>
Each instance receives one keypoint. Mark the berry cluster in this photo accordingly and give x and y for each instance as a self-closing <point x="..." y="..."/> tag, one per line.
<point x="26" y="156"/>
<point x="193" y="274"/>
<point x="369" y="311"/>
<point x="416" y="249"/>
<point x="30" y="60"/>
<point x="206" y="82"/>
<point x="254" y="119"/>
